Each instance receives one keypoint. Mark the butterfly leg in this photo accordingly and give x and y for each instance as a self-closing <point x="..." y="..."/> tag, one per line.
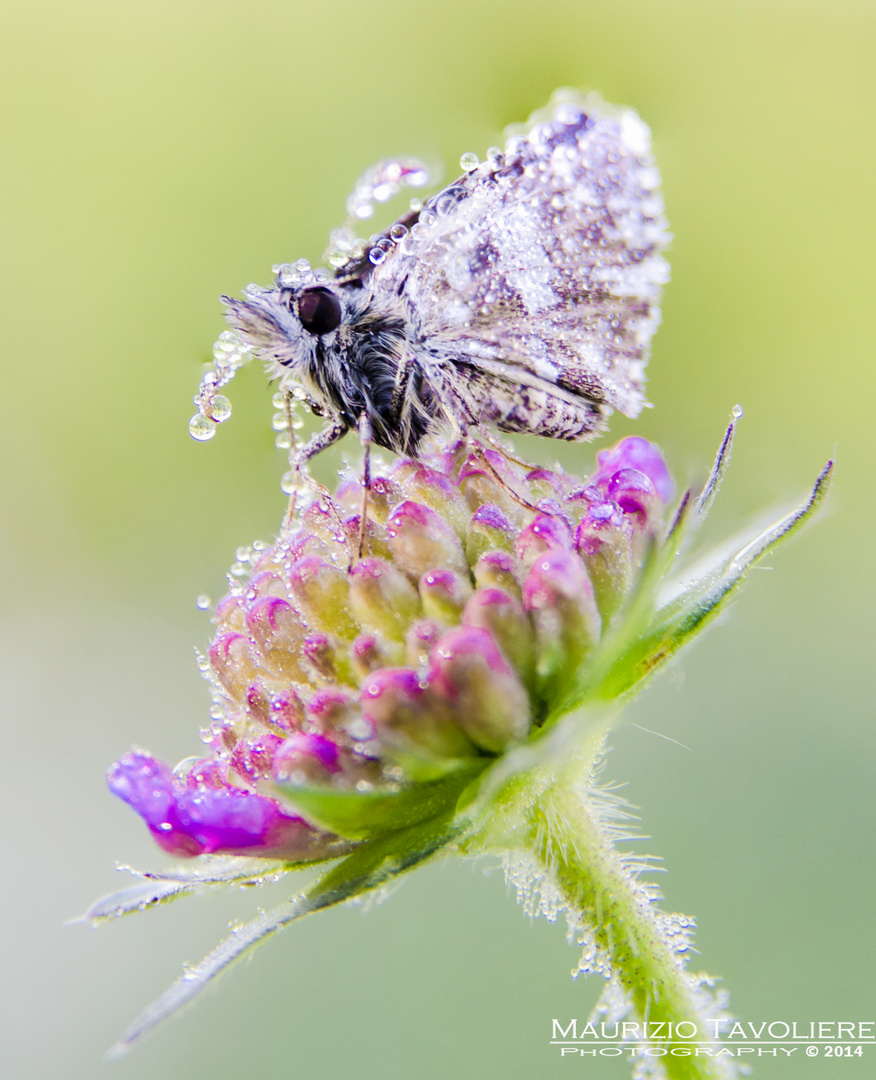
<point x="334" y="430"/>
<point x="366" y="437"/>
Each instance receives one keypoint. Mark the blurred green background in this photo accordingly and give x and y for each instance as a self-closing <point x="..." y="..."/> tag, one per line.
<point x="156" y="154"/>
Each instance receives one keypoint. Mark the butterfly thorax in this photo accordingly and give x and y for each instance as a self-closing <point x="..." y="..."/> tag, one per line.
<point x="371" y="367"/>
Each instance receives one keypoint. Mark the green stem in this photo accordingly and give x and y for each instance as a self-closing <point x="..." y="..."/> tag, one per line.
<point x="548" y="808"/>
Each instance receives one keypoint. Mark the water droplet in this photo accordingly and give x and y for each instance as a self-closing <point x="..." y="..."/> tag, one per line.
<point x="202" y="603"/>
<point x="278" y="421"/>
<point x="279" y="400"/>
<point x="220" y="408"/>
<point x="237" y="569"/>
<point x="283" y="441"/>
<point x="201" y="428"/>
<point x="469" y="162"/>
<point x="203" y="663"/>
<point x="290" y="482"/>
<point x="737" y="412"/>
<point x="243" y="553"/>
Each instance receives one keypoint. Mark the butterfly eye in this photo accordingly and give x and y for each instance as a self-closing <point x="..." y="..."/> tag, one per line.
<point x="319" y="311"/>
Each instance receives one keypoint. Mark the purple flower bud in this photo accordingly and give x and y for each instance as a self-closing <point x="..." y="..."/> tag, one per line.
<point x="408" y="722"/>
<point x="258" y="702"/>
<point x="286" y="709"/>
<point x="559" y="598"/>
<point x="235" y="662"/>
<point x="383" y="494"/>
<point x="637" y="497"/>
<point x="319" y="590"/>
<point x="382" y="598"/>
<point x="336" y="713"/>
<point x="205" y="773"/>
<point x="604" y="540"/>
<point x="547" y="484"/>
<point x="503" y="616"/>
<point x="546" y="532"/>
<point x="276" y="628"/>
<point x="421" y="540"/>
<point x="265" y="583"/>
<point x="366" y="655"/>
<point x="444" y="594"/>
<point x="499" y="570"/>
<point x="320" y="655"/>
<point x="230" y="615"/>
<point x="635" y="452"/>
<point x="469" y="673"/>
<point x="306" y="757"/>
<point x="252" y="758"/>
<point x="488" y="529"/>
<point x="480" y="485"/>
<point x="420" y="639"/>
<point x="434" y="489"/>
<point x="321" y="518"/>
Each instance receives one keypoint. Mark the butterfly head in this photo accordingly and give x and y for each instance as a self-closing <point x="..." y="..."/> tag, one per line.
<point x="289" y="325"/>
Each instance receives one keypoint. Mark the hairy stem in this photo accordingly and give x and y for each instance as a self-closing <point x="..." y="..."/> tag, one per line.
<point x="553" y="812"/>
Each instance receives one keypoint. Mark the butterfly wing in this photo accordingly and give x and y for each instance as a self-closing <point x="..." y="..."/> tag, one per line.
<point x="542" y="268"/>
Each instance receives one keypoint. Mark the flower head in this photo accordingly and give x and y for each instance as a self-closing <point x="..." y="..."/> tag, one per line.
<point x="483" y="588"/>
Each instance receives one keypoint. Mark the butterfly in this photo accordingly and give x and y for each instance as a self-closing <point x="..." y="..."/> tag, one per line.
<point x="524" y="295"/>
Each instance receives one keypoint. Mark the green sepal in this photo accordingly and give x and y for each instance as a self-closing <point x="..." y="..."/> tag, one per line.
<point x="364" y="815"/>
<point x="152" y="890"/>
<point x="370" y="866"/>
<point x="675" y="622"/>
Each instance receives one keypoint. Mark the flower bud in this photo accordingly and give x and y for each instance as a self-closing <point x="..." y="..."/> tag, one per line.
<point x="421" y="540"/>
<point x="503" y="616"/>
<point x="546" y="532"/>
<point x="421" y="639"/>
<point x="326" y="661"/>
<point x="604" y="540"/>
<point x="306" y="758"/>
<point x="480" y="484"/>
<point x="234" y="660"/>
<point x="559" y="598"/>
<point x="319" y="590"/>
<point x="444" y="594"/>
<point x="275" y="627"/>
<point x="409" y="723"/>
<point x="434" y="489"/>
<point x="252" y="758"/>
<point x="470" y="674"/>
<point x="637" y="498"/>
<point x="382" y="598"/>
<point x="367" y="654"/>
<point x="635" y="452"/>
<point x="488" y="530"/>
<point x="499" y="570"/>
